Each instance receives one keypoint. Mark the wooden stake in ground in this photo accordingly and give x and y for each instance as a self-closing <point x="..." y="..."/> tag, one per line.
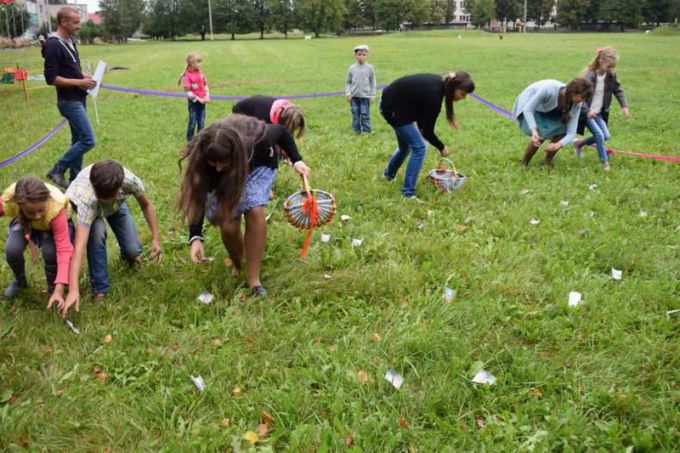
<point x="24" y="75"/>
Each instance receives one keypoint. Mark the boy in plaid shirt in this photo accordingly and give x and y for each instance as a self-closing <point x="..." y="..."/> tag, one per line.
<point x="99" y="192"/>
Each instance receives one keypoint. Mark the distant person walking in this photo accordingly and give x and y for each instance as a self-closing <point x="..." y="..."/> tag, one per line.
<point x="360" y="90"/>
<point x="62" y="69"/>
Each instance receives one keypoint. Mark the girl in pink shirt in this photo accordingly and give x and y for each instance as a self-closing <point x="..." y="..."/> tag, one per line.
<point x="40" y="217"/>
<point x="196" y="87"/>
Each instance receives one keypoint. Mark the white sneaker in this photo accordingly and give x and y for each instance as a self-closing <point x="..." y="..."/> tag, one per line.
<point x="414" y="198"/>
<point x="605" y="165"/>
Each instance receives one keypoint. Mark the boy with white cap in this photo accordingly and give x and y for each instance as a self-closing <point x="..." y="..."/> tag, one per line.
<point x="360" y="90"/>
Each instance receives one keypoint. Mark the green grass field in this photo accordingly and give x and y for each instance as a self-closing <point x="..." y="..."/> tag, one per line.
<point x="603" y="376"/>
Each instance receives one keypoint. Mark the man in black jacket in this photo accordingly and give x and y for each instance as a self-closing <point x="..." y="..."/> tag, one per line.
<point x="62" y="69"/>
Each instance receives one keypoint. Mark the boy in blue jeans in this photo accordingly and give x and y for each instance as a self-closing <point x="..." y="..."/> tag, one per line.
<point x="99" y="192"/>
<point x="360" y="90"/>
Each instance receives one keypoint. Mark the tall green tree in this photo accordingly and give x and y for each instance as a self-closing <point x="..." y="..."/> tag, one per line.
<point x="539" y="11"/>
<point x="656" y="11"/>
<point x="262" y="11"/>
<point x="507" y="10"/>
<point x="623" y="12"/>
<point x="481" y="11"/>
<point x="234" y="16"/>
<point x="121" y="18"/>
<point x="283" y="15"/>
<point x="320" y="16"/>
<point x="571" y="12"/>
<point x="390" y="14"/>
<point x="165" y="19"/>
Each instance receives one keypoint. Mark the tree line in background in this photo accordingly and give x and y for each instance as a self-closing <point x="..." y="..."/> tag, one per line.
<point x="171" y="18"/>
<point x="168" y="19"/>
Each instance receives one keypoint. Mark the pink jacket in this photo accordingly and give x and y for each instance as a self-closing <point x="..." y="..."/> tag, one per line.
<point x="195" y="84"/>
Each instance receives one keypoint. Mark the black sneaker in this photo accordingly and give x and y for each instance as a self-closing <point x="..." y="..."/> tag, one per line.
<point x="258" y="291"/>
<point x="58" y="179"/>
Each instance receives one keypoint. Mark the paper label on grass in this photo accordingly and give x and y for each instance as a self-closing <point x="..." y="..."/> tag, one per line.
<point x="198" y="382"/>
<point x="574" y="298"/>
<point x="673" y="313"/>
<point x="593" y="186"/>
<point x="205" y="298"/>
<point x="73" y="328"/>
<point x="525" y="191"/>
<point x="357" y="242"/>
<point x="325" y="237"/>
<point x="564" y="203"/>
<point x="617" y="274"/>
<point x="449" y="294"/>
<point x="643" y="213"/>
<point x="484" y="377"/>
<point x="345" y="217"/>
<point x="394" y="378"/>
<point x="534" y="221"/>
<point x="430" y="213"/>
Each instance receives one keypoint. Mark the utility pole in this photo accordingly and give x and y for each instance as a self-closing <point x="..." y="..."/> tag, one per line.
<point x="210" y="19"/>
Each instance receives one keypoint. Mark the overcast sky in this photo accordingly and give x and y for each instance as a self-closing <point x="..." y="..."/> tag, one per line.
<point x="92" y="5"/>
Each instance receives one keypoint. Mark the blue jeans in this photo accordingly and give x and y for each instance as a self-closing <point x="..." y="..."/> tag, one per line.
<point x="196" y="118"/>
<point x="82" y="137"/>
<point x="410" y="140"/>
<point x="44" y="240"/>
<point x="123" y="226"/>
<point x="361" y="114"/>
<point x="600" y="131"/>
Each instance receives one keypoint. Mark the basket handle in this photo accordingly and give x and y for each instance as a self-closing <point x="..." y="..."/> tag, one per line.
<point x="305" y="183"/>
<point x="442" y="159"/>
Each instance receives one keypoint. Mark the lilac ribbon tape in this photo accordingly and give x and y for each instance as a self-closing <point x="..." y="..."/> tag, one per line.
<point x="34" y="146"/>
<point x="479" y="99"/>
<point x="493" y="107"/>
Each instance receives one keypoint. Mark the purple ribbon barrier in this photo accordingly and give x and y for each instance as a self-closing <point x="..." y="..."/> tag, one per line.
<point x="479" y="99"/>
<point x="34" y="146"/>
<point x="217" y="98"/>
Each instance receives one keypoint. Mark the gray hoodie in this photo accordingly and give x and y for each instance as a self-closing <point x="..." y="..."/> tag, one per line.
<point x="360" y="81"/>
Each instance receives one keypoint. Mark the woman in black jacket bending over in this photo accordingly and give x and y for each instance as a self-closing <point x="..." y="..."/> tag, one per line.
<point x="411" y="106"/>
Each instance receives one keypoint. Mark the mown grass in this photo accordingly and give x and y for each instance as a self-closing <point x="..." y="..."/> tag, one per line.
<point x="603" y="376"/>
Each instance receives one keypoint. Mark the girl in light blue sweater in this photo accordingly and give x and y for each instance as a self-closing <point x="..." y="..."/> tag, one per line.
<point x="549" y="110"/>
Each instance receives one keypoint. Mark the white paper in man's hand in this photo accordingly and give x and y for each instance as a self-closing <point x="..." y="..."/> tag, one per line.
<point x="97" y="77"/>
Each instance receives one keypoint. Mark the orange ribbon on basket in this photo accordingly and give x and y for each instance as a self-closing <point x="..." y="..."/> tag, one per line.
<point x="311" y="210"/>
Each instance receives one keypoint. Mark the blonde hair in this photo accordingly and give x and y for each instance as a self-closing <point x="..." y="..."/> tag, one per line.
<point x="603" y="53"/>
<point x="192" y="57"/>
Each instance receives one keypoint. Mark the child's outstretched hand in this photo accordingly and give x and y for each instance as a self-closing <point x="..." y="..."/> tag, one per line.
<point x="72" y="298"/>
<point x="349" y="98"/>
<point x="444" y="152"/>
<point x="57" y="296"/>
<point x="626" y="112"/>
<point x="197" y="253"/>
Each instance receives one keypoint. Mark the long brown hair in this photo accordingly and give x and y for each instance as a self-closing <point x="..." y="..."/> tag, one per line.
<point x="231" y="141"/>
<point x="293" y="119"/>
<point x="31" y="189"/>
<point x="578" y="86"/>
<point x="459" y="80"/>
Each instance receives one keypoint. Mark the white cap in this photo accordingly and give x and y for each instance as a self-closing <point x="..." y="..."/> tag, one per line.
<point x="361" y="47"/>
